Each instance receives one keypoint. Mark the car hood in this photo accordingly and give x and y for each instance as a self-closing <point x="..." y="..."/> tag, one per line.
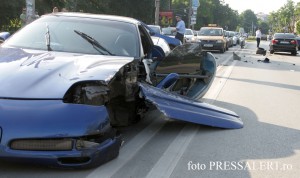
<point x="210" y="37"/>
<point x="42" y="74"/>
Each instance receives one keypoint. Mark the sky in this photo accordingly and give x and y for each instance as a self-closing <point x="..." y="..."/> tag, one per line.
<point x="265" y="6"/>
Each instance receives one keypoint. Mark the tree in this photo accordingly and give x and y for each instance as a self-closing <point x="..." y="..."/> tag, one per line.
<point x="284" y="19"/>
<point x="248" y="20"/>
<point x="298" y="27"/>
<point x="9" y="15"/>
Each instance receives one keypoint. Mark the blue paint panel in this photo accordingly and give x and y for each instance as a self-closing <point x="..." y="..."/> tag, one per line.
<point x="182" y="108"/>
<point x="53" y="119"/>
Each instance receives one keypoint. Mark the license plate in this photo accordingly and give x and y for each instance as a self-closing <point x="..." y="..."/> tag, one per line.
<point x="285" y="42"/>
<point x="208" y="45"/>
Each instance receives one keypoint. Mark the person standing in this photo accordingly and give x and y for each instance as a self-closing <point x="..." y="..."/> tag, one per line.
<point x="23" y="17"/>
<point x="258" y="37"/>
<point x="55" y="10"/>
<point x="180" y="28"/>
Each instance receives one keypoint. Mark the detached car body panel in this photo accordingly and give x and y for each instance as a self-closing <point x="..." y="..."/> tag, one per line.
<point x="67" y="79"/>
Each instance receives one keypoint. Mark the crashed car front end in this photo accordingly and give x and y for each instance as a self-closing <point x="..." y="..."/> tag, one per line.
<point x="58" y="119"/>
<point x="60" y="103"/>
<point x="56" y="134"/>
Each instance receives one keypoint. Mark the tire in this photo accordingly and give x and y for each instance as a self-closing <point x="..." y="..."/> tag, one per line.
<point x="294" y="53"/>
<point x="272" y="51"/>
<point x="222" y="50"/>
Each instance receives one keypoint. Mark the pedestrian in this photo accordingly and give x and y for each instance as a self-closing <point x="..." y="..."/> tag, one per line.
<point x="55" y="9"/>
<point x="180" y="28"/>
<point x="23" y="17"/>
<point x="37" y="15"/>
<point x="258" y="37"/>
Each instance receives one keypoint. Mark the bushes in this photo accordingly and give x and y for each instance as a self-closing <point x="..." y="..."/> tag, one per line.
<point x="13" y="26"/>
<point x="251" y="38"/>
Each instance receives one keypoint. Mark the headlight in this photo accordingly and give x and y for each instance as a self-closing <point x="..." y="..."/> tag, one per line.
<point x="90" y="93"/>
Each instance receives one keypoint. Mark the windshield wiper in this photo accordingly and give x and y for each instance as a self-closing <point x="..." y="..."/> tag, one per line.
<point x="47" y="36"/>
<point x="94" y="42"/>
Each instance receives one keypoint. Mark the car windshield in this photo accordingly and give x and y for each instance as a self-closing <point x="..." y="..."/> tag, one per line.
<point x="282" y="35"/>
<point x="210" y="32"/>
<point x="115" y="38"/>
<point x="188" y="32"/>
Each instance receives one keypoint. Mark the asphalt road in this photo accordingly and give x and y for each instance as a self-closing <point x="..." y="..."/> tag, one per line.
<point x="265" y="95"/>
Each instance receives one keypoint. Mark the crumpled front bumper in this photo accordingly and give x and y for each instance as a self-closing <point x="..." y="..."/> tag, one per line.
<point x="53" y="119"/>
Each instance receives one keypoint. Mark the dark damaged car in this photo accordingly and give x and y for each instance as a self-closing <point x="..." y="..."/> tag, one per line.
<point x="69" y="79"/>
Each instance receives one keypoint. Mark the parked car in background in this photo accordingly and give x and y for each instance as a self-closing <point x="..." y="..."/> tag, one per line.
<point x="156" y="29"/>
<point x="284" y="42"/>
<point x="161" y="43"/>
<point x="190" y="37"/>
<point x="212" y="38"/>
<point x="229" y="41"/>
<point x="173" y="42"/>
<point x="298" y="41"/>
<point x="4" y="36"/>
<point x="264" y="37"/>
<point x="169" y="31"/>
<point x="69" y="79"/>
<point x="269" y="37"/>
<point x="235" y="39"/>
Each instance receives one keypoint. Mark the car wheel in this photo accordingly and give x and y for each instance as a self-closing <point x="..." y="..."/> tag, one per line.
<point x="294" y="53"/>
<point x="222" y="50"/>
<point x="272" y="51"/>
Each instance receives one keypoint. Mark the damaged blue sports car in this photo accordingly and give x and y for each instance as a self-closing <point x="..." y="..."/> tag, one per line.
<point x="69" y="79"/>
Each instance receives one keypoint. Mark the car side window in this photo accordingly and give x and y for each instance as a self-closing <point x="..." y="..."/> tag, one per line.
<point x="146" y="41"/>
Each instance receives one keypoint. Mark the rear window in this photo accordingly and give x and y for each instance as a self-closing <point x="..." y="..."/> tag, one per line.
<point x="282" y="35"/>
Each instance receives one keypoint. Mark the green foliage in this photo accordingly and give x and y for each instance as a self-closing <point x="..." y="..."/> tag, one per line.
<point x="248" y="20"/>
<point x="298" y="27"/>
<point x="283" y="20"/>
<point x="264" y="27"/>
<point x="13" y="26"/>
<point x="10" y="10"/>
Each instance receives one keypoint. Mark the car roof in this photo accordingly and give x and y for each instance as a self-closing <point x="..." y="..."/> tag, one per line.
<point x="284" y="35"/>
<point x="96" y="16"/>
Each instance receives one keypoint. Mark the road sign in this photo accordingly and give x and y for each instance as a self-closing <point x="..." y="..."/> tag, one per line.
<point x="193" y="20"/>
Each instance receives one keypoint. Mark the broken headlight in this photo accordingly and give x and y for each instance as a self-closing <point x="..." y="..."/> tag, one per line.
<point x="90" y="93"/>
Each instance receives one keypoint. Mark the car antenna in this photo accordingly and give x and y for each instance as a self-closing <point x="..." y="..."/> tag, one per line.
<point x="47" y="36"/>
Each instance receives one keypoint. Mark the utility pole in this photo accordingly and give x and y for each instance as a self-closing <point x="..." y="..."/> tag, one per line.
<point x="189" y="15"/>
<point x="157" y="2"/>
<point x="30" y="11"/>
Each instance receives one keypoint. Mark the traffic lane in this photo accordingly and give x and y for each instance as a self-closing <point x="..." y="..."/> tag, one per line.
<point x="223" y="58"/>
<point x="265" y="95"/>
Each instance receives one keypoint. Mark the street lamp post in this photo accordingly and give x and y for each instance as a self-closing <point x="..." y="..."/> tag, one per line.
<point x="157" y="2"/>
